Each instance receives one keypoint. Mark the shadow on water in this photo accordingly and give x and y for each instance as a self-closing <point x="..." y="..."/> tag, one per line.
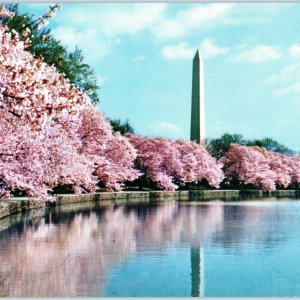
<point x="72" y="250"/>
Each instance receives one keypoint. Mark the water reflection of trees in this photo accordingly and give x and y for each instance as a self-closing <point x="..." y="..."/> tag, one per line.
<point x="250" y="223"/>
<point x="69" y="254"/>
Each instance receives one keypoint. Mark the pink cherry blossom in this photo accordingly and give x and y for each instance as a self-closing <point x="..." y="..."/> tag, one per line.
<point x="249" y="165"/>
<point x="198" y="164"/>
<point x="34" y="162"/>
<point x="51" y="135"/>
<point x="261" y="168"/>
<point x="281" y="165"/>
<point x="170" y="163"/>
<point x="32" y="90"/>
<point x="294" y="169"/>
<point x="111" y="153"/>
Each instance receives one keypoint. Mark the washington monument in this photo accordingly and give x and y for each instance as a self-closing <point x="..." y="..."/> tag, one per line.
<point x="198" y="135"/>
<point x="198" y="113"/>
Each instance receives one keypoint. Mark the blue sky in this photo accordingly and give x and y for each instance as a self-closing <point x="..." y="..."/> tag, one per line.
<point x="142" y="54"/>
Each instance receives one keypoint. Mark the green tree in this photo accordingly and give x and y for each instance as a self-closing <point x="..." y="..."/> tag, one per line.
<point x="271" y="145"/>
<point x="218" y="147"/>
<point x="41" y="44"/>
<point x="119" y="126"/>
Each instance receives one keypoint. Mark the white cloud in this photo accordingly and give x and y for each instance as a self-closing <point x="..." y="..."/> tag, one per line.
<point x="179" y="51"/>
<point x="287" y="74"/>
<point x="165" y="129"/>
<point x="294" y="51"/>
<point x="251" y="13"/>
<point x="133" y="20"/>
<point x="207" y="16"/>
<point x="113" y="20"/>
<point x="209" y="49"/>
<point x="93" y="45"/>
<point x="192" y="18"/>
<point x="285" y="82"/>
<point x="259" y="53"/>
<point x="183" y="51"/>
<point x="116" y="19"/>
<point x="100" y="26"/>
<point x="293" y="88"/>
<point x="96" y="28"/>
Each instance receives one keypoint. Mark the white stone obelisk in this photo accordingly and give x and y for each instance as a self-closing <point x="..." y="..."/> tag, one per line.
<point x="198" y="107"/>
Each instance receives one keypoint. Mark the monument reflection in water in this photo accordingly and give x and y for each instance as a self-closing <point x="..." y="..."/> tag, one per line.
<point x="170" y="249"/>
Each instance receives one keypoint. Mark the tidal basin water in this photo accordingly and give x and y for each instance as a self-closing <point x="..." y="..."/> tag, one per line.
<point x="249" y="248"/>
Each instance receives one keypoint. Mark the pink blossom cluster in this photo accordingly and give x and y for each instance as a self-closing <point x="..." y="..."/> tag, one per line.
<point x="34" y="162"/>
<point x="260" y="168"/>
<point x="50" y="133"/>
<point x="31" y="89"/>
<point x="112" y="154"/>
<point x="170" y="163"/>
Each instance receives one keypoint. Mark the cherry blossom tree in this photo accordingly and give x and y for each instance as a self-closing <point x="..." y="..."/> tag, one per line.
<point x="34" y="162"/>
<point x="248" y="165"/>
<point x="294" y="169"/>
<point x="37" y="151"/>
<point x="111" y="153"/>
<point x="261" y="168"/>
<point x="157" y="159"/>
<point x="281" y="165"/>
<point x="198" y="164"/>
<point x="52" y="135"/>
<point x="171" y="163"/>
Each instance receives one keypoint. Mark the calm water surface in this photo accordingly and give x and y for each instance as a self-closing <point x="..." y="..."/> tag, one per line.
<point x="248" y="248"/>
